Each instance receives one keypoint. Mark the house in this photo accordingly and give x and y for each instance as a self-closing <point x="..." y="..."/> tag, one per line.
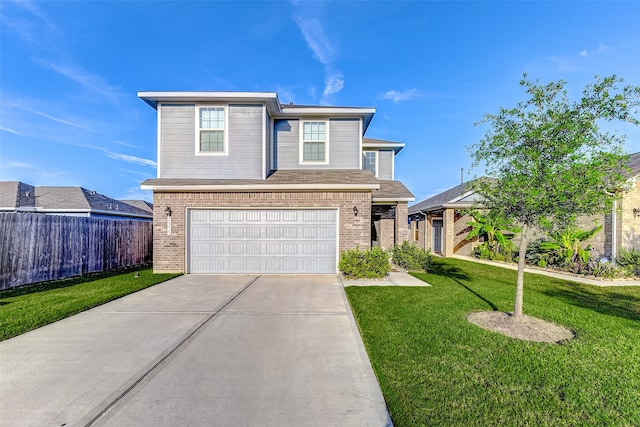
<point x="248" y="185"/>
<point x="16" y="196"/>
<point x="439" y="224"/>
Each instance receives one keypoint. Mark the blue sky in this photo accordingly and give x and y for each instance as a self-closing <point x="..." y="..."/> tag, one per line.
<point x="70" y="71"/>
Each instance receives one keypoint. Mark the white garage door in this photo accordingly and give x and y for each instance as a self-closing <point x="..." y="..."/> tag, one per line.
<point x="262" y="241"/>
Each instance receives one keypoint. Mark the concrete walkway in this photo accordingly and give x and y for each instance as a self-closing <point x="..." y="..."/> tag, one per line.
<point x="563" y="276"/>
<point x="395" y="278"/>
<point x="199" y="351"/>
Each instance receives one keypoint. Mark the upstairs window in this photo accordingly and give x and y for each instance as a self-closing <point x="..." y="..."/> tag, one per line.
<point x="371" y="162"/>
<point x="211" y="130"/>
<point x="314" y="142"/>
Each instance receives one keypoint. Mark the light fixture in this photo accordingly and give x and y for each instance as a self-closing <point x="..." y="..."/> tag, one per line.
<point x="168" y="211"/>
<point x="355" y="211"/>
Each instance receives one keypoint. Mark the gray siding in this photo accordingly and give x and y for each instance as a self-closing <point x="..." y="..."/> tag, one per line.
<point x="385" y="164"/>
<point x="178" y="146"/>
<point x="344" y="145"/>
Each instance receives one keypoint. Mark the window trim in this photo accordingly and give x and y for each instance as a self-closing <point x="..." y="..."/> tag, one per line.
<point x="225" y="130"/>
<point x="301" y="142"/>
<point x="377" y="155"/>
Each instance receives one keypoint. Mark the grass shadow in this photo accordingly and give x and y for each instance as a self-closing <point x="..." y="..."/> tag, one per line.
<point x="66" y="282"/>
<point x="602" y="301"/>
<point x="457" y="275"/>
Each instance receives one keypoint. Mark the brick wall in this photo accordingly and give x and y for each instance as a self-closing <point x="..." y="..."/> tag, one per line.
<point x="386" y="233"/>
<point x="402" y="213"/>
<point x="169" y="251"/>
<point x="462" y="246"/>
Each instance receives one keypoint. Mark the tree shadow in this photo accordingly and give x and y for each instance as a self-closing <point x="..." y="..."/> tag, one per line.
<point x="457" y="275"/>
<point x="604" y="301"/>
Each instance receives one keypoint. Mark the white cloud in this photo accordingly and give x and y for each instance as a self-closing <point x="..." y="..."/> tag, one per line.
<point x="583" y="53"/>
<point x="324" y="50"/>
<point x="130" y="159"/>
<point x="317" y="40"/>
<point x="21" y="165"/>
<point x="55" y="119"/>
<point x="15" y="132"/>
<point x="397" y="96"/>
<point x="333" y="83"/>
<point x="86" y="79"/>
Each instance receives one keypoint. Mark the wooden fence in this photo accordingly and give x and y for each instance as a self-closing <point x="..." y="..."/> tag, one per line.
<point x="36" y="247"/>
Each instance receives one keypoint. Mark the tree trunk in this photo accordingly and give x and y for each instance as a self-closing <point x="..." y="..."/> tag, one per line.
<point x="524" y="241"/>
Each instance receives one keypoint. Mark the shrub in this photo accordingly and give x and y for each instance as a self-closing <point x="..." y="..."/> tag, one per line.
<point x="606" y="270"/>
<point x="629" y="259"/>
<point x="410" y="257"/>
<point x="372" y="263"/>
<point x="502" y="253"/>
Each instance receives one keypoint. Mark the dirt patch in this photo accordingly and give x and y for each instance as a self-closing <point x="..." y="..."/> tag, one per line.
<point x="525" y="328"/>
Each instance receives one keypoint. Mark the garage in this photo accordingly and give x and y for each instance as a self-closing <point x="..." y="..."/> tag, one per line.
<point x="262" y="241"/>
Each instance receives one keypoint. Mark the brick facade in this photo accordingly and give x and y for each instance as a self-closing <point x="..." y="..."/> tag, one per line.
<point x="170" y="250"/>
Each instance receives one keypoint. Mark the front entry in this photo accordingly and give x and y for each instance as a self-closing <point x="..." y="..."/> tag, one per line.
<point x="437" y="235"/>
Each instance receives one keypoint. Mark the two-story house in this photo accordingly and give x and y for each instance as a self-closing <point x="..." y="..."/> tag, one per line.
<point x="248" y="185"/>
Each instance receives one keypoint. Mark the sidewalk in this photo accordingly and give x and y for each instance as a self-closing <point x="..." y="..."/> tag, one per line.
<point x="395" y="278"/>
<point x="557" y="275"/>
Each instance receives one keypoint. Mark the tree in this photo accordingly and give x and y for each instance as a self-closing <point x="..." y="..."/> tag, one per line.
<point x="550" y="158"/>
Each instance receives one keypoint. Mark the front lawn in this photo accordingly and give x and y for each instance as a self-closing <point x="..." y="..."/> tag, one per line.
<point x="27" y="308"/>
<point x="437" y="369"/>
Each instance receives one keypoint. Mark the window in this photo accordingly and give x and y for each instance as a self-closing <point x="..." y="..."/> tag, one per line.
<point x="314" y="142"/>
<point x="211" y="138"/>
<point x="371" y="162"/>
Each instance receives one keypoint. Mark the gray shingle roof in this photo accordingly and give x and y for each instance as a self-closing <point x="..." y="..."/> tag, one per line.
<point x="15" y="193"/>
<point x="392" y="190"/>
<point x="63" y="199"/>
<point x="314" y="178"/>
<point x="140" y="204"/>
<point x="438" y="200"/>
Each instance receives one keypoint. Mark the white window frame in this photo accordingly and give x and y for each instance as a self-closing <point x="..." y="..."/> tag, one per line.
<point x="364" y="160"/>
<point x="225" y="131"/>
<point x="302" y="161"/>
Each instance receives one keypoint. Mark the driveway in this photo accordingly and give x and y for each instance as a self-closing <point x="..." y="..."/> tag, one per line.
<point x="199" y="350"/>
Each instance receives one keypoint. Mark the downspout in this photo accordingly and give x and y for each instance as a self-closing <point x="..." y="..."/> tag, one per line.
<point x="614" y="231"/>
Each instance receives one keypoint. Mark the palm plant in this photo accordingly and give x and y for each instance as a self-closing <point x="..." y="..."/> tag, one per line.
<point x="567" y="244"/>
<point x="498" y="230"/>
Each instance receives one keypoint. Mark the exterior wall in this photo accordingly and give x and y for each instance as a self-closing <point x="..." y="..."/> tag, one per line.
<point x="385" y="164"/>
<point x="401" y="223"/>
<point x="169" y="251"/>
<point x="462" y="246"/>
<point x="387" y="234"/>
<point x="448" y="233"/>
<point x="628" y="223"/>
<point x="178" y="157"/>
<point x="344" y="145"/>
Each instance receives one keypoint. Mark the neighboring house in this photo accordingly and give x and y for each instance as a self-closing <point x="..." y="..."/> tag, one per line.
<point x="436" y="223"/>
<point x="247" y="185"/>
<point x="17" y="196"/>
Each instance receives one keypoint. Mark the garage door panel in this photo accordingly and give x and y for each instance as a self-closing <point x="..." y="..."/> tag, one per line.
<point x="263" y="241"/>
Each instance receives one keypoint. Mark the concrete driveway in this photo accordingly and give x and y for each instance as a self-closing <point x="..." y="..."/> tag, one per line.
<point x="199" y="350"/>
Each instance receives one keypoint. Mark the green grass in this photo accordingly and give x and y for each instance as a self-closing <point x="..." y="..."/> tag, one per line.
<point x="28" y="308"/>
<point x="437" y="369"/>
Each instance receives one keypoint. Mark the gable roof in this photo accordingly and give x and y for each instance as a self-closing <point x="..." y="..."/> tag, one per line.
<point x="461" y="194"/>
<point x="48" y="199"/>
<point x="634" y="165"/>
<point x="16" y="194"/>
<point x="140" y="204"/>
